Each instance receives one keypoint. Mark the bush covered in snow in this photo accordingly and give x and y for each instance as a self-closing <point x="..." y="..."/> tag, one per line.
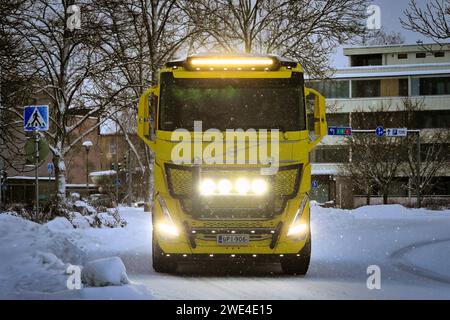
<point x="78" y="212"/>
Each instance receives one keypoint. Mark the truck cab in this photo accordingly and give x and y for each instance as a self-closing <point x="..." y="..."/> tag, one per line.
<point x="231" y="169"/>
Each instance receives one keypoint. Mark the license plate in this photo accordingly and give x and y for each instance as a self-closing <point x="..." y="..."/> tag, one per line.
<point x="233" y="239"/>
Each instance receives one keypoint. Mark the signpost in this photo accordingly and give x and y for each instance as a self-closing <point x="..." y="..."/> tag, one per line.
<point x="396" y="132"/>
<point x="50" y="168"/>
<point x="379" y="131"/>
<point x="1" y="181"/>
<point x="36" y="119"/>
<point x="340" y="131"/>
<point x="315" y="184"/>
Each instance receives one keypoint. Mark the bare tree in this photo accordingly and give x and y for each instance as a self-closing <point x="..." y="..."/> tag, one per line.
<point x="64" y="64"/>
<point x="375" y="160"/>
<point x="382" y="37"/>
<point x="139" y="37"/>
<point x="431" y="20"/>
<point x="434" y="151"/>
<point x="307" y="30"/>
<point x="13" y="85"/>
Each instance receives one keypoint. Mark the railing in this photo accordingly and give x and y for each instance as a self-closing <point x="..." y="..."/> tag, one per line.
<point x="441" y="102"/>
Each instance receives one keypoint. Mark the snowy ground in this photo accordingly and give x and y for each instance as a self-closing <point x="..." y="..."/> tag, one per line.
<point x="411" y="247"/>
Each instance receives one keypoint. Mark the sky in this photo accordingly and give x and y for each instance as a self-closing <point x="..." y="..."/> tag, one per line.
<point x="391" y="11"/>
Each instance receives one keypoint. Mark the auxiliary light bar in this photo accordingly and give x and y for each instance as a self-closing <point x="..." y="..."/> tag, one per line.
<point x="231" y="62"/>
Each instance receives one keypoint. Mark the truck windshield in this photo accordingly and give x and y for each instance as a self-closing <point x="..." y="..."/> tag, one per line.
<point x="222" y="104"/>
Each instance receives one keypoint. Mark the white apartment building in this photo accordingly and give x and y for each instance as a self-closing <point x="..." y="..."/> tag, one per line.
<point x="376" y="75"/>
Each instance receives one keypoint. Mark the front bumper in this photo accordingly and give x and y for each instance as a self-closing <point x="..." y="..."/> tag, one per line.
<point x="232" y="258"/>
<point x="267" y="237"/>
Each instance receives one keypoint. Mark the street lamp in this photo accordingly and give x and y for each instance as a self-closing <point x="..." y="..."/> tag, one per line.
<point x="87" y="145"/>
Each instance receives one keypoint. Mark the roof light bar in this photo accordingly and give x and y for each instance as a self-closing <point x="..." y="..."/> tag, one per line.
<point x="231" y="62"/>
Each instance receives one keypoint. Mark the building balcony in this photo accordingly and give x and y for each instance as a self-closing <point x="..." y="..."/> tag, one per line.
<point x="438" y="102"/>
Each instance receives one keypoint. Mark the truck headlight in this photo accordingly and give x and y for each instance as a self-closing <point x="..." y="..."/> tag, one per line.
<point x="259" y="186"/>
<point x="167" y="229"/>
<point x="224" y="186"/>
<point x="242" y="186"/>
<point x="207" y="187"/>
<point x="298" y="229"/>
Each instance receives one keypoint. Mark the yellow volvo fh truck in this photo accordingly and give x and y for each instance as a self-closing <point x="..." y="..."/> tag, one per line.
<point x="232" y="171"/>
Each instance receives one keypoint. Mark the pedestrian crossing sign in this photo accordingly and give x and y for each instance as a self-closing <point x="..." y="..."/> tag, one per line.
<point x="35" y="118"/>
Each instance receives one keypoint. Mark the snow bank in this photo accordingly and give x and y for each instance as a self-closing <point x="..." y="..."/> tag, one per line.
<point x="59" y="224"/>
<point x="34" y="258"/>
<point x="105" y="272"/>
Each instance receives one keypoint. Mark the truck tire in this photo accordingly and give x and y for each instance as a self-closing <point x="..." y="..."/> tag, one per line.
<point x="298" y="265"/>
<point x="161" y="263"/>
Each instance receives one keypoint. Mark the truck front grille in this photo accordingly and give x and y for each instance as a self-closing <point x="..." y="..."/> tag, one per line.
<point x="283" y="186"/>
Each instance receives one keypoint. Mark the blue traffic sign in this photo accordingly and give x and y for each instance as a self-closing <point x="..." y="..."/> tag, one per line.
<point x="50" y="167"/>
<point x="118" y="182"/>
<point x="315" y="184"/>
<point x="379" y="131"/>
<point x="339" y="131"/>
<point x="35" y="118"/>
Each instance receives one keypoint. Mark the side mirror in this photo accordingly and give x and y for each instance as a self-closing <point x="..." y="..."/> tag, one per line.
<point x="153" y="120"/>
<point x="147" y="115"/>
<point x="320" y="122"/>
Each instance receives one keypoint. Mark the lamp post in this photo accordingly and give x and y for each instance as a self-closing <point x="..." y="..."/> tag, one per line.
<point x="87" y="145"/>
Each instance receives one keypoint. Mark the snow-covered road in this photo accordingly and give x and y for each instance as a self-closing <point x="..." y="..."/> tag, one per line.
<point x="411" y="247"/>
<point x="344" y="245"/>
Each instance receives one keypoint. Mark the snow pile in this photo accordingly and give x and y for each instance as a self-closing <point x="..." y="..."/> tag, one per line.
<point x="105" y="272"/>
<point x="59" y="224"/>
<point x="35" y="259"/>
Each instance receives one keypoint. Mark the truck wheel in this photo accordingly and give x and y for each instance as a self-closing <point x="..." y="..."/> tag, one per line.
<point x="161" y="263"/>
<point x="298" y="265"/>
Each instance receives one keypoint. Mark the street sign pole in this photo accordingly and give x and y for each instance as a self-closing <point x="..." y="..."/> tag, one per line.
<point x="418" y="167"/>
<point x="1" y="183"/>
<point x="419" y="176"/>
<point x="36" y="167"/>
<point x="130" y="178"/>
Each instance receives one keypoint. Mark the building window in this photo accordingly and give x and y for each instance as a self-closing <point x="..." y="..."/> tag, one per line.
<point x="112" y="147"/>
<point x="331" y="154"/>
<point x="332" y="89"/>
<point x="366" y="88"/>
<point x="366" y="60"/>
<point x="338" y="119"/>
<point x="439" y="54"/>
<point x="402" y="56"/>
<point x="420" y="55"/>
<point x="432" y="119"/>
<point x="403" y="87"/>
<point x="394" y="87"/>
<point x="431" y="86"/>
